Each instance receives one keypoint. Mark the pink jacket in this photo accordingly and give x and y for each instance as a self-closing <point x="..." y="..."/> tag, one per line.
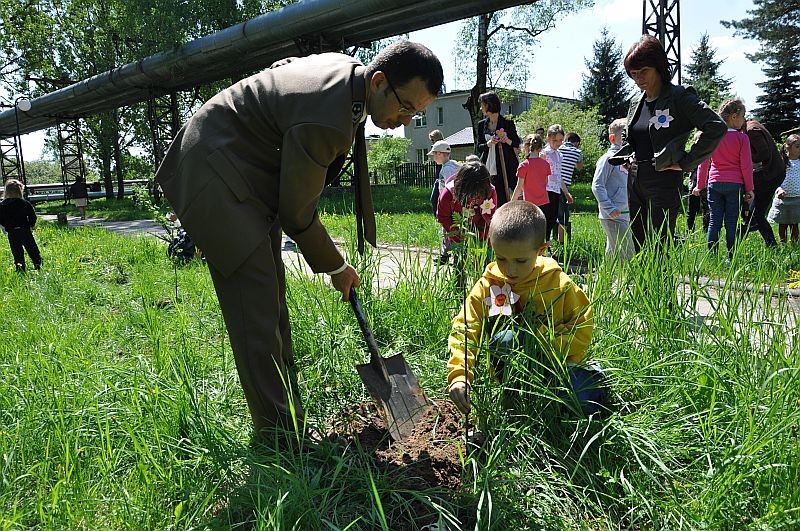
<point x="731" y="162"/>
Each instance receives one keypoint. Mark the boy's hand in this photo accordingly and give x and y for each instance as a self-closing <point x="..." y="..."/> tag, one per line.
<point x="781" y="193"/>
<point x="459" y="394"/>
<point x="749" y="196"/>
<point x="696" y="192"/>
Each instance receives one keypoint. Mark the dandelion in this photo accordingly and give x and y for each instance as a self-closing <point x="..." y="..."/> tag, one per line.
<point x="500" y="300"/>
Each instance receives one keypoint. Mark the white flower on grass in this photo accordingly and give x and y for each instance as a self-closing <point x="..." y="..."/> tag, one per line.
<point x="661" y="118"/>
<point x="501" y="300"/>
<point x="487" y="206"/>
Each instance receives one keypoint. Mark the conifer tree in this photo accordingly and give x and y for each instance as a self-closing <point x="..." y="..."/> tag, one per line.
<point x="776" y="23"/>
<point x="703" y="74"/>
<point x="606" y="84"/>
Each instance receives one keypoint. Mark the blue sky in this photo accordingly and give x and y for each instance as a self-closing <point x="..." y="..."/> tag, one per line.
<point x="558" y="63"/>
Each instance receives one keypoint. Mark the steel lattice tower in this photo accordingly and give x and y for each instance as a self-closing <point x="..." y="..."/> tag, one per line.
<point x="661" y="18"/>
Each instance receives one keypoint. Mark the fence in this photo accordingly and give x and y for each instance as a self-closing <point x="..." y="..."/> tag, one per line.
<point x="56" y="191"/>
<point x="408" y="174"/>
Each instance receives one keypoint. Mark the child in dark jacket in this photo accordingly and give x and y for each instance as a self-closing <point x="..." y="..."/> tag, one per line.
<point x="18" y="218"/>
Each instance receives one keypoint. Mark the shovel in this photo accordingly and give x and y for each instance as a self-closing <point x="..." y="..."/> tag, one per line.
<point x="391" y="383"/>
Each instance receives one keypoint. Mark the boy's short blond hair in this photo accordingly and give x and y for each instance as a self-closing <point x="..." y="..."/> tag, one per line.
<point x="617" y="127"/>
<point x="518" y="221"/>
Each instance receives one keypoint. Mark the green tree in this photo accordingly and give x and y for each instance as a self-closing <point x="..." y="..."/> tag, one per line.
<point x="387" y="153"/>
<point x="776" y="23"/>
<point x="495" y="49"/>
<point x="704" y="75"/>
<point x="779" y="110"/>
<point x="606" y="86"/>
<point x="585" y="122"/>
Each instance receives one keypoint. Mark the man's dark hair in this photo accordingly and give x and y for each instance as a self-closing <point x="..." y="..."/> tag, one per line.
<point x="648" y="51"/>
<point x="573" y="138"/>
<point x="405" y="60"/>
<point x="492" y="101"/>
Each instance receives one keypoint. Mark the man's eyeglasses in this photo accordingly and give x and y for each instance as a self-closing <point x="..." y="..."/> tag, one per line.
<point x="405" y="111"/>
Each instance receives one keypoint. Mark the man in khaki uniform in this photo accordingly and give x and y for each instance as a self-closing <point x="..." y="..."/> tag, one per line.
<point x="253" y="161"/>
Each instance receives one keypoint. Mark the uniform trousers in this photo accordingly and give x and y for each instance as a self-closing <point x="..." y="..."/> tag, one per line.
<point x="253" y="303"/>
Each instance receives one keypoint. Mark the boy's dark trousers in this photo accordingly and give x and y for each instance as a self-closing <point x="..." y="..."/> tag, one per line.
<point x="20" y="239"/>
<point x="764" y="190"/>
<point x="696" y="206"/>
<point x="565" y="227"/>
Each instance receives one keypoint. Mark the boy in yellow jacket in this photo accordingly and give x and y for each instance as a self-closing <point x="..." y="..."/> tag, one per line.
<point x="524" y="304"/>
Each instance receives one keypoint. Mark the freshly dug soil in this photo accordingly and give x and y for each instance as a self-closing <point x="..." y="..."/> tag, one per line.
<point x="429" y="457"/>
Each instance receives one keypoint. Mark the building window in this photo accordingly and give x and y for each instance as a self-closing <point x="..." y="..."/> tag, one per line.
<point x="422" y="156"/>
<point x="439" y="115"/>
<point x="420" y="120"/>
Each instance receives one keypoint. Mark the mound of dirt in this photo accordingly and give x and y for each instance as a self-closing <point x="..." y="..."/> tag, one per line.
<point x="429" y="457"/>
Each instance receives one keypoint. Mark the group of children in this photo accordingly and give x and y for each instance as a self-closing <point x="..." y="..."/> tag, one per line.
<point x="523" y="301"/>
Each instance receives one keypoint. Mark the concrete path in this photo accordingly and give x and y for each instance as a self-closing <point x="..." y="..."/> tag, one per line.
<point x="393" y="261"/>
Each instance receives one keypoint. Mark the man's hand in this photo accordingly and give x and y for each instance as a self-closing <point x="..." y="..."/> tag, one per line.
<point x="696" y="192"/>
<point x="615" y="214"/>
<point x="459" y="394"/>
<point x="749" y="196"/>
<point x="569" y="198"/>
<point x="781" y="193"/>
<point x="675" y="167"/>
<point x="345" y="280"/>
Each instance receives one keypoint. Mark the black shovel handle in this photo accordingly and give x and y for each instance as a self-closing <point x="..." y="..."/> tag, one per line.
<point x="375" y="357"/>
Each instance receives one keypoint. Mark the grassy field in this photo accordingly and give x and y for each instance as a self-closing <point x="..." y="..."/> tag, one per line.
<point x="120" y="407"/>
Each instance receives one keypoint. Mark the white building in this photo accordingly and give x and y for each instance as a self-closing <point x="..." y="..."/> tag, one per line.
<point x="448" y="115"/>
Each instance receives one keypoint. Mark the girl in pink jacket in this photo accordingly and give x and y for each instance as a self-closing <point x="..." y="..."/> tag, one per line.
<point x="728" y="173"/>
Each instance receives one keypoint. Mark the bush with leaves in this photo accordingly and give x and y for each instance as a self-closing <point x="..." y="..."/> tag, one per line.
<point x="545" y="112"/>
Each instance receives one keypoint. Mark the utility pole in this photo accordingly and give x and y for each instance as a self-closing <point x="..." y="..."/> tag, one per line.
<point x="661" y="19"/>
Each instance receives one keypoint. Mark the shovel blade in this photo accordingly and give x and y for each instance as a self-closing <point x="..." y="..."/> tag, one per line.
<point x="401" y="400"/>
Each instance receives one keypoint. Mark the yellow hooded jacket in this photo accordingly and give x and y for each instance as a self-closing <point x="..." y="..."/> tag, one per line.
<point x="547" y="296"/>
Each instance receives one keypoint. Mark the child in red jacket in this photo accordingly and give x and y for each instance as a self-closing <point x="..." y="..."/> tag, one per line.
<point x="470" y="194"/>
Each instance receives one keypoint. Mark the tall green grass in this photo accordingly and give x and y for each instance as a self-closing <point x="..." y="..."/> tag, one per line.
<point x="120" y="406"/>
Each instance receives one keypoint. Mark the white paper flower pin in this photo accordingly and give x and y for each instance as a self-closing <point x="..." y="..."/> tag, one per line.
<point x="487" y="206"/>
<point x="501" y="300"/>
<point x="661" y="118"/>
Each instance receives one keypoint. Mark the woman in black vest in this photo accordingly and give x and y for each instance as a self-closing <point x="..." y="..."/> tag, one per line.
<point x="498" y="145"/>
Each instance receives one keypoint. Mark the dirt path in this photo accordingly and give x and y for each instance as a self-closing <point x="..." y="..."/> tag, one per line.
<point x="393" y="261"/>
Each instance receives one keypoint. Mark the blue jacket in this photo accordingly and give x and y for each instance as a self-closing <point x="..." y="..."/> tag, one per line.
<point x="610" y="186"/>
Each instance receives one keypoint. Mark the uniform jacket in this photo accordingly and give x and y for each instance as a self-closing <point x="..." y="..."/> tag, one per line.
<point x="258" y="152"/>
<point x="511" y="159"/>
<point x="765" y="152"/>
<point x="687" y="113"/>
<point x="557" y="311"/>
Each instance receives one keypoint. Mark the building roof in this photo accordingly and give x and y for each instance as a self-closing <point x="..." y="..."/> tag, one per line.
<point x="461" y="138"/>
